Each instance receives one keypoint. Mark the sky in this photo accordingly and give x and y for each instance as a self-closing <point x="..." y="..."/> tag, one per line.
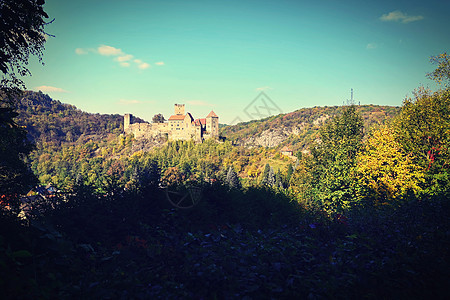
<point x="242" y="59"/>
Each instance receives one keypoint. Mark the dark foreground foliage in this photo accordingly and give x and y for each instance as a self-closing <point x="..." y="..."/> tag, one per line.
<point x="252" y="244"/>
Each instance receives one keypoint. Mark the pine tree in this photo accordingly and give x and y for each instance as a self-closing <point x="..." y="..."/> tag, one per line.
<point x="271" y="178"/>
<point x="279" y="179"/>
<point x="232" y="179"/>
<point x="289" y="172"/>
<point x="265" y="177"/>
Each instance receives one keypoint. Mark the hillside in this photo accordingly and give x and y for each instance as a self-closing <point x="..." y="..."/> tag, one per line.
<point x="52" y="121"/>
<point x="299" y="128"/>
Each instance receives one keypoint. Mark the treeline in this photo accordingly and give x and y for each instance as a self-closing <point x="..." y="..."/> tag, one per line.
<point x="114" y="163"/>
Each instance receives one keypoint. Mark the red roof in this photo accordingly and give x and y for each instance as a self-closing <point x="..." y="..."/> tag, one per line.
<point x="199" y="122"/>
<point x="176" y="117"/>
<point x="212" y="114"/>
<point x="286" y="149"/>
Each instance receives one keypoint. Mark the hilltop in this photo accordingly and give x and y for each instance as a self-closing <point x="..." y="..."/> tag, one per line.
<point x="50" y="120"/>
<point x="298" y="129"/>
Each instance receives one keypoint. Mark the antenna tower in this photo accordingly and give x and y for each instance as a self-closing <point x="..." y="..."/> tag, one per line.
<point x="351" y="101"/>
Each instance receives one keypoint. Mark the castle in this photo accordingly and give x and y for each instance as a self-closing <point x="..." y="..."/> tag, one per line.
<point x="180" y="126"/>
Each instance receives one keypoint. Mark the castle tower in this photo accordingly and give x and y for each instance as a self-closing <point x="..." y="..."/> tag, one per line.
<point x="179" y="109"/>
<point x="212" y="124"/>
<point x="126" y="121"/>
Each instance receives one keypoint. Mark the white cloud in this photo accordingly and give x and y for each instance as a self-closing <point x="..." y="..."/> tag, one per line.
<point x="398" y="16"/>
<point x="371" y="46"/>
<point x="159" y="63"/>
<point x="108" y="51"/>
<point x="121" y="57"/>
<point x="264" y="88"/>
<point x="125" y="57"/>
<point x="198" y="103"/>
<point x="81" y="51"/>
<point x="143" y="66"/>
<point x="49" y="89"/>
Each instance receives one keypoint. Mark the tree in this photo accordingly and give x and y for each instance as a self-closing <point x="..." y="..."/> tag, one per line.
<point x="423" y="130"/>
<point x="334" y="159"/>
<point x="21" y="35"/>
<point x="442" y="73"/>
<point x="15" y="176"/>
<point x="271" y="178"/>
<point x="233" y="179"/>
<point x="385" y="173"/>
<point x="265" y="176"/>
<point x="289" y="172"/>
<point x="159" y="118"/>
<point x="279" y="179"/>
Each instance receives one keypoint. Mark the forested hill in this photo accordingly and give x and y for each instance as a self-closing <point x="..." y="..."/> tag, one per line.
<point x="50" y="120"/>
<point x="298" y="129"/>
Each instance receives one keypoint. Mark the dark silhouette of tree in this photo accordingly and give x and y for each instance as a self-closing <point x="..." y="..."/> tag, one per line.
<point x="21" y="35"/>
<point x="14" y="146"/>
<point x="159" y="118"/>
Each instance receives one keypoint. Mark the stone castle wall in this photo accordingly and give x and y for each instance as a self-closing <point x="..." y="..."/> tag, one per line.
<point x="180" y="126"/>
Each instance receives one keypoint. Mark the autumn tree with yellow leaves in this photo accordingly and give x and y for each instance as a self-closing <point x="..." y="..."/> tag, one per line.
<point x="384" y="171"/>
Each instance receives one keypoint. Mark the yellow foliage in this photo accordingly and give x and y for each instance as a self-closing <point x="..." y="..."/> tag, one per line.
<point x="384" y="169"/>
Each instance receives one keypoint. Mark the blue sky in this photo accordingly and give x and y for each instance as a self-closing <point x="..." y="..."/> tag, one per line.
<point x="141" y="57"/>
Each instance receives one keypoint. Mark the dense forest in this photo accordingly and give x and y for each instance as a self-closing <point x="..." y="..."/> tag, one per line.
<point x="361" y="210"/>
<point x="72" y="144"/>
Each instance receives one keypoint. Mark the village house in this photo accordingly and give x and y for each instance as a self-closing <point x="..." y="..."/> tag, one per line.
<point x="287" y="151"/>
<point x="180" y="126"/>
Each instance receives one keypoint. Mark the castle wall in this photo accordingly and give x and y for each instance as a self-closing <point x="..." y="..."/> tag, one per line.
<point x="180" y="126"/>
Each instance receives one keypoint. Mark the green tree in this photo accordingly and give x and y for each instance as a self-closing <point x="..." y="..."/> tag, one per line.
<point x="423" y="130"/>
<point x="265" y="175"/>
<point x="289" y="172"/>
<point x="233" y="179"/>
<point x="158" y="118"/>
<point x="271" y="180"/>
<point x="442" y="73"/>
<point x="334" y="159"/>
